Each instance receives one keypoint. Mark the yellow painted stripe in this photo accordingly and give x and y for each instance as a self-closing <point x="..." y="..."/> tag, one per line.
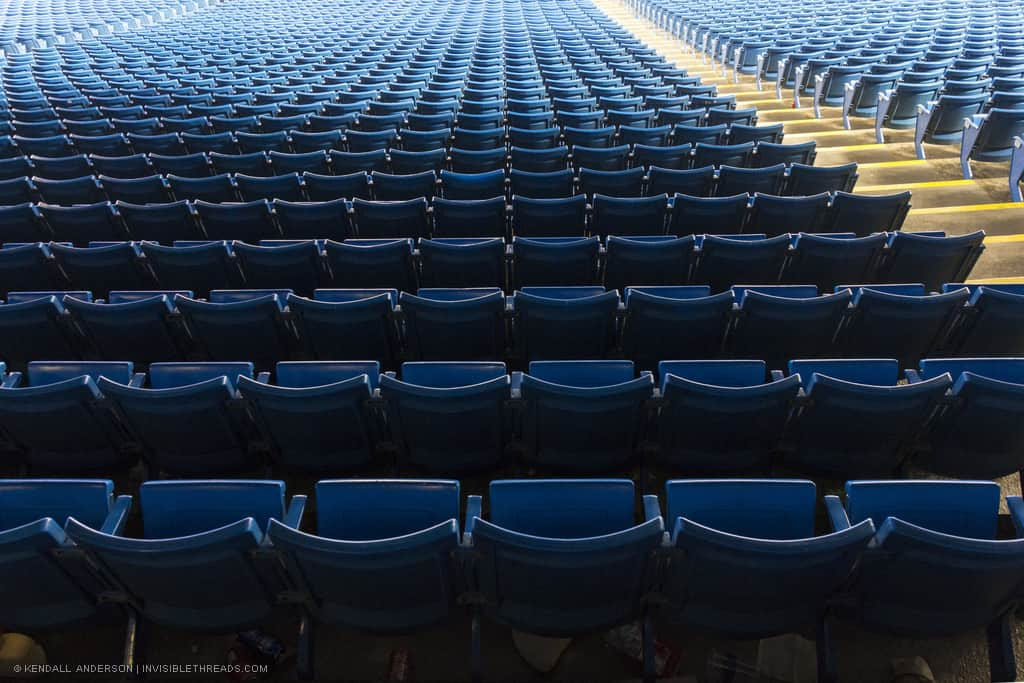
<point x="1004" y="239"/>
<point x="822" y="133"/>
<point x="884" y="164"/>
<point x="899" y="187"/>
<point x="833" y="119"/>
<point x="850" y="148"/>
<point x="763" y="100"/>
<point x="1013" y="280"/>
<point x="969" y="208"/>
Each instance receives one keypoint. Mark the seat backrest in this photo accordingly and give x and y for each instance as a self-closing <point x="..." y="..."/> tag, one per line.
<point x="26" y="500"/>
<point x="170" y="375"/>
<point x="182" y="508"/>
<point x="960" y="508"/>
<point x="780" y="509"/>
<point x="364" y="510"/>
<point x="553" y="508"/>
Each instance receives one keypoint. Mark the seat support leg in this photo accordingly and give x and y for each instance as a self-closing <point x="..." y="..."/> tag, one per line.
<point x="304" y="666"/>
<point x="132" y="644"/>
<point x="1001" y="660"/>
<point x="650" y="669"/>
<point x="826" y="656"/>
<point x="475" y="660"/>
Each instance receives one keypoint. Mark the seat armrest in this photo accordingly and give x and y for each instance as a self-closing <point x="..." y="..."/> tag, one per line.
<point x="115" y="520"/>
<point x="1016" y="506"/>
<point x="474" y="508"/>
<point x="652" y="508"/>
<point x="293" y="516"/>
<point x="836" y="513"/>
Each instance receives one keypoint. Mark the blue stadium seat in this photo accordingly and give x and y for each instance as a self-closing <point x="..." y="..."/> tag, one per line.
<point x="295" y="266"/>
<point x="613" y="183"/>
<point x="392" y="188"/>
<point x="100" y="269"/>
<point x="721" y="416"/>
<point x="461" y="262"/>
<point x="540" y="535"/>
<point x="469" y="217"/>
<point x="358" y="162"/>
<point x="58" y="168"/>
<point x="782" y="322"/>
<point x="183" y="165"/>
<point x="84" y="190"/>
<point x="163" y="223"/>
<point x="975" y="433"/>
<point x="550" y="261"/>
<point x="584" y="416"/>
<point x="348" y="324"/>
<point x="991" y="325"/>
<point x="417" y="162"/>
<point x="317" y="414"/>
<point x="32" y="518"/>
<point x="549" y="217"/>
<point x="829" y="261"/>
<point x="629" y="216"/>
<point x="807" y="180"/>
<point x="237" y="324"/>
<point x="390" y="537"/>
<point x="326" y="188"/>
<point x="697" y="182"/>
<point x="285" y="187"/>
<point x="253" y="164"/>
<point x="454" y="324"/>
<point x="391" y="219"/>
<point x="475" y="394"/>
<point x="200" y="268"/>
<point x="564" y="322"/>
<point x="313" y="161"/>
<point x="201" y="395"/>
<point x="196" y="564"/>
<point x="675" y="157"/>
<point x="647" y="261"/>
<point x="56" y="422"/>
<point x="865" y="214"/>
<point x="856" y="421"/>
<point x="79" y="225"/>
<point x="930" y="259"/>
<point x="708" y="215"/>
<point x="372" y="263"/>
<point x="670" y="322"/>
<point x="548" y="185"/>
<point x="907" y="326"/>
<point x="214" y="189"/>
<point x="766" y="180"/>
<point x="725" y="261"/>
<point x="751" y="565"/>
<point x="472" y="185"/>
<point x="314" y="220"/>
<point x="771" y="154"/>
<point x="28" y="266"/>
<point x="146" y="190"/>
<point x="246" y="222"/>
<point x="951" y="527"/>
<point x="36" y="327"/>
<point x="141" y="330"/>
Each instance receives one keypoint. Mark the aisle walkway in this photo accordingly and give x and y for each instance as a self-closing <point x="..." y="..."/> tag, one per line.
<point x="942" y="199"/>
